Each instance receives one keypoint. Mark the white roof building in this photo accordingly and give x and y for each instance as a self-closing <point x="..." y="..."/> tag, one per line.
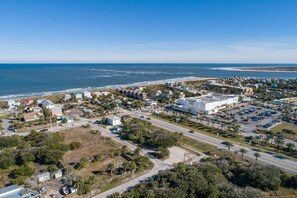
<point x="101" y="93"/>
<point x="208" y="104"/>
<point x="57" y="111"/>
<point x="87" y="94"/>
<point x="77" y="95"/>
<point x="44" y="177"/>
<point x="67" y="97"/>
<point x="114" y="120"/>
<point x="13" y="103"/>
<point x="47" y="104"/>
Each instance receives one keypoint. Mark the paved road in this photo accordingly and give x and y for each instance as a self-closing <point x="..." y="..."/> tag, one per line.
<point x="288" y="165"/>
<point x="159" y="165"/>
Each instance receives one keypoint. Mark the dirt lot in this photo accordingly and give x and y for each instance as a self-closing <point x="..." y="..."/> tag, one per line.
<point x="92" y="144"/>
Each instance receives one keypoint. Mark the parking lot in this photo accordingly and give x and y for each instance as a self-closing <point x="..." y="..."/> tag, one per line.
<point x="249" y="118"/>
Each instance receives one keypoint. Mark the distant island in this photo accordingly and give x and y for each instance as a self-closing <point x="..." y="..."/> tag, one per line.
<point x="265" y="69"/>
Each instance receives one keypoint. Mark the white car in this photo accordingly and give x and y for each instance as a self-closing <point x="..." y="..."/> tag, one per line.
<point x="72" y="190"/>
<point x="65" y="190"/>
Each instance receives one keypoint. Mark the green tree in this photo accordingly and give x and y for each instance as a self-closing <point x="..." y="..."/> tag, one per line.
<point x="137" y="151"/>
<point x="242" y="151"/>
<point x="229" y="145"/>
<point x="110" y="168"/>
<point x="75" y="145"/>
<point x="124" y="149"/>
<point x="279" y="142"/>
<point x="257" y="155"/>
<point x="291" y="147"/>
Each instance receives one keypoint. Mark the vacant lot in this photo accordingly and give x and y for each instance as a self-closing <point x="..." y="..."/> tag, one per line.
<point x="92" y="144"/>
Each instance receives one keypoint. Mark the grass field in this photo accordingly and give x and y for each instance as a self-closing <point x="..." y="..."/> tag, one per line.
<point x="92" y="144"/>
<point x="283" y="126"/>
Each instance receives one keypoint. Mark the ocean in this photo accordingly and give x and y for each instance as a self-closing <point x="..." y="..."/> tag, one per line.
<point x="23" y="80"/>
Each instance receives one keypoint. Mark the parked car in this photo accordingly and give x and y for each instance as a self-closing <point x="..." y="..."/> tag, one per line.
<point x="72" y="190"/>
<point x="65" y="190"/>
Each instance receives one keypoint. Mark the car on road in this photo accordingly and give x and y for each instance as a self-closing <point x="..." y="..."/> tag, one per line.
<point x="43" y="130"/>
<point x="148" y="118"/>
<point x="141" y="116"/>
<point x="191" y="131"/>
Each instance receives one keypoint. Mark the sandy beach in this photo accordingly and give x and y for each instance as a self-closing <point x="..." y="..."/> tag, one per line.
<point x="109" y="88"/>
<point x="258" y="69"/>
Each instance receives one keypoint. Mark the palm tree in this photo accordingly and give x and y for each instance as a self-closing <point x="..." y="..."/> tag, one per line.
<point x="110" y="167"/>
<point x="242" y="151"/>
<point x="291" y="147"/>
<point x="229" y="145"/>
<point x="279" y="143"/>
<point x="257" y="155"/>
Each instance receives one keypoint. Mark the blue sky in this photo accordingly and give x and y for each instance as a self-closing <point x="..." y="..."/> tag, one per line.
<point x="115" y="31"/>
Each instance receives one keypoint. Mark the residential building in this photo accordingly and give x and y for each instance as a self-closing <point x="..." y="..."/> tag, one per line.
<point x="87" y="95"/>
<point x="47" y="104"/>
<point x="44" y="177"/>
<point x="149" y="102"/>
<point x="40" y="100"/>
<point x="13" y="103"/>
<point x="27" y="101"/>
<point x="78" y="95"/>
<point x="113" y="120"/>
<point x="57" y="111"/>
<point x="58" y="174"/>
<point x="207" y="104"/>
<point x="36" y="109"/>
<point x="67" y="97"/>
<point x="155" y="94"/>
<point x="30" y="116"/>
<point x="102" y="93"/>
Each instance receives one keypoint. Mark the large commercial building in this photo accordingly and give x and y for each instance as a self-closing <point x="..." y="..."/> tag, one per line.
<point x="206" y="104"/>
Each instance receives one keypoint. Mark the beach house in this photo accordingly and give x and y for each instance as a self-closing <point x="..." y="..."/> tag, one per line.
<point x="47" y="104"/>
<point x="13" y="103"/>
<point x="30" y="116"/>
<point x="57" y="111"/>
<point x="78" y="95"/>
<point x="87" y="95"/>
<point x="113" y="120"/>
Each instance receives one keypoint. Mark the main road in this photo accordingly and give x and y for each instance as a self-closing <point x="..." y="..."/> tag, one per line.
<point x="285" y="164"/>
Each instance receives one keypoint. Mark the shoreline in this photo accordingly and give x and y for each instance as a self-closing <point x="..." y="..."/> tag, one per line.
<point x="103" y="88"/>
<point x="254" y="69"/>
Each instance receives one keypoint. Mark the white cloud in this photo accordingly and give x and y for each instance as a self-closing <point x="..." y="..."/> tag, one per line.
<point x="276" y="51"/>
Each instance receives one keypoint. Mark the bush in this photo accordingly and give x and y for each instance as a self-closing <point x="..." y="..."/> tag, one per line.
<point x="75" y="145"/>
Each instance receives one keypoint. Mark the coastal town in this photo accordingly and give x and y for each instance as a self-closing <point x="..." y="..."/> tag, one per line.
<point x="117" y="142"/>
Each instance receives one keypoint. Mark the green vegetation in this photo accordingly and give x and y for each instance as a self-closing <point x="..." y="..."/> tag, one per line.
<point x="219" y="178"/>
<point x="285" y="130"/>
<point x="264" y="145"/>
<point x="143" y="133"/>
<point x="36" y="148"/>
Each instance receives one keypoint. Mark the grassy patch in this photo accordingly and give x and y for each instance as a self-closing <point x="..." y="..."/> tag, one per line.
<point x="236" y="140"/>
<point x="282" y="126"/>
<point x="4" y="117"/>
<point x="197" y="145"/>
